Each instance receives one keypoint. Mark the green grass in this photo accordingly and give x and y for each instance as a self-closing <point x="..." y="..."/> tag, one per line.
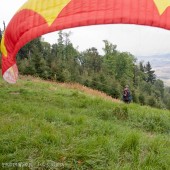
<point x="45" y="125"/>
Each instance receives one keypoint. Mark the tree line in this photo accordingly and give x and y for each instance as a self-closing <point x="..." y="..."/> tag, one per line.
<point x="109" y="72"/>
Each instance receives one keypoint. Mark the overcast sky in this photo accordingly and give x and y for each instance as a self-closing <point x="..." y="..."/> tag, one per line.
<point x="138" y="40"/>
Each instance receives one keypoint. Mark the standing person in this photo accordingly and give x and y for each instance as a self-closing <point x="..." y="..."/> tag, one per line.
<point x="126" y="94"/>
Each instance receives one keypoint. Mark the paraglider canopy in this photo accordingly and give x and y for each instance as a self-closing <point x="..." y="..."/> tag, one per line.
<point x="38" y="17"/>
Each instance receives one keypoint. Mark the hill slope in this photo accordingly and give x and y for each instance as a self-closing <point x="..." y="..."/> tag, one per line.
<point x="47" y="125"/>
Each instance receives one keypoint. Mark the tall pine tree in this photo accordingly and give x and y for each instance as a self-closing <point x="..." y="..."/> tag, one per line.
<point x="151" y="77"/>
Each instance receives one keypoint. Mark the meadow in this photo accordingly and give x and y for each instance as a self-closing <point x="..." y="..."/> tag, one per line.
<point x="47" y="125"/>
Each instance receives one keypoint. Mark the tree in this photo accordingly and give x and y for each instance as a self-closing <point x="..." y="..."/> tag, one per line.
<point x="91" y="61"/>
<point x="151" y="101"/>
<point x="2" y="31"/>
<point x="60" y="46"/>
<point x="166" y="98"/>
<point x="32" y="59"/>
<point x="151" y="77"/>
<point x="109" y="48"/>
<point x="109" y="58"/>
<point x="159" y="88"/>
<point x="141" y="67"/>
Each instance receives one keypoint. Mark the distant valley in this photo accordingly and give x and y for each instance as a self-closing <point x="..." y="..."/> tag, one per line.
<point x="161" y="65"/>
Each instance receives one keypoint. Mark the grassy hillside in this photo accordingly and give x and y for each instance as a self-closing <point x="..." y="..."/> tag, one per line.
<point x="46" y="125"/>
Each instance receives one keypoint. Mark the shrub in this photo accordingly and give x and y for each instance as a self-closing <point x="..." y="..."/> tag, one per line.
<point x="141" y="99"/>
<point x="151" y="102"/>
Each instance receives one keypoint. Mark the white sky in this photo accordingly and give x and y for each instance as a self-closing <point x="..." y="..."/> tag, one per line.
<point x="138" y="40"/>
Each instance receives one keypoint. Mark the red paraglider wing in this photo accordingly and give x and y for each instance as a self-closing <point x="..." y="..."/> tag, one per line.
<point x="37" y="17"/>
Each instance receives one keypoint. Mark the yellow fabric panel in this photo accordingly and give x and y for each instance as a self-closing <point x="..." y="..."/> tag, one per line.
<point x="162" y="5"/>
<point x="49" y="9"/>
<point x="3" y="48"/>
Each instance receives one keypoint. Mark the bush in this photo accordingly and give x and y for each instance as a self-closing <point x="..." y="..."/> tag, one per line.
<point x="141" y="99"/>
<point x="151" y="102"/>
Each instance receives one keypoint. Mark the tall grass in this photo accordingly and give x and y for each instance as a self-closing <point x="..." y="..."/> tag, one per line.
<point x="46" y="125"/>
